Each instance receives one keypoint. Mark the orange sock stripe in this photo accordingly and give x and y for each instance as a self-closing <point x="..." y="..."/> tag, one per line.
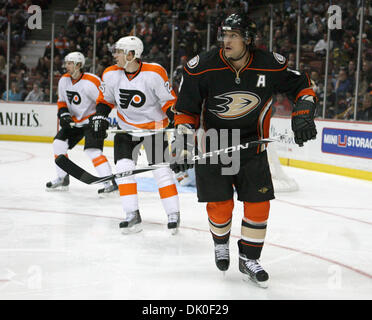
<point x="257" y="211"/>
<point x="220" y="212"/>
<point x="99" y="160"/>
<point x="127" y="189"/>
<point x="168" y="191"/>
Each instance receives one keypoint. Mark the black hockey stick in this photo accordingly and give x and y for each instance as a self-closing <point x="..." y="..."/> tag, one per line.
<point x="80" y="174"/>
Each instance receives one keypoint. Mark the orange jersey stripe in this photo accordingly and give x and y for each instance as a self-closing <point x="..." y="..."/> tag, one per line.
<point x="148" y="125"/>
<point x="61" y="104"/>
<point x="99" y="160"/>
<point x="111" y="68"/>
<point x="168" y="191"/>
<point x="127" y="189"/>
<point x="101" y="99"/>
<point x="168" y="104"/>
<point x="92" y="79"/>
<point x="307" y="91"/>
<point x="81" y="120"/>
<point x="184" y="118"/>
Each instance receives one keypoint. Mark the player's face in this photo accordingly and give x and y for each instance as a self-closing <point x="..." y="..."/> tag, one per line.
<point x="121" y="58"/>
<point x="233" y="44"/>
<point x="70" y="67"/>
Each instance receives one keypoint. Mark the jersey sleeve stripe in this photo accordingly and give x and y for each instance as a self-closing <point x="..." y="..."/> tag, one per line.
<point x="168" y="104"/>
<point x="61" y="104"/>
<point x="155" y="68"/>
<point x="92" y="79"/>
<point x="111" y="68"/>
<point x="184" y="118"/>
<point x="101" y="99"/>
<point x="306" y="91"/>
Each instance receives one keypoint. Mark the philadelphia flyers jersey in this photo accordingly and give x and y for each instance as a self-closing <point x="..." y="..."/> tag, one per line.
<point x="79" y="96"/>
<point x="225" y="99"/>
<point x="142" y="98"/>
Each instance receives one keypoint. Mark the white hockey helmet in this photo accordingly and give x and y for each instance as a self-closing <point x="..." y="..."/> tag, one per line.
<point x="130" y="43"/>
<point x="75" y="57"/>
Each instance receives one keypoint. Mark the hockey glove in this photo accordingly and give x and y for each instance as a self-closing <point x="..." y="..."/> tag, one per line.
<point x="303" y="124"/>
<point x="99" y="125"/>
<point x="182" y="147"/>
<point x="65" y="120"/>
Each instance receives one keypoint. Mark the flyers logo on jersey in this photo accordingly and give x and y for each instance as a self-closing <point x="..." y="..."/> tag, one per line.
<point x="132" y="98"/>
<point x="237" y="104"/>
<point x="73" y="97"/>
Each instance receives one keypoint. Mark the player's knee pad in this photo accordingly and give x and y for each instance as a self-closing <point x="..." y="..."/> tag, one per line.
<point x="257" y="211"/>
<point x="60" y="147"/>
<point x="220" y="212"/>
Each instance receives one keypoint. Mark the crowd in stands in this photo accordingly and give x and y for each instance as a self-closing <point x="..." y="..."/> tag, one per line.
<point x="151" y="20"/>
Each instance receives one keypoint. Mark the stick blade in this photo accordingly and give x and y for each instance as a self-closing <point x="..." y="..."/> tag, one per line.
<point x="74" y="170"/>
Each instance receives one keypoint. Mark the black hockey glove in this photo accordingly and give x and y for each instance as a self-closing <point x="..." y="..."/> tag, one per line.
<point x="99" y="125"/>
<point x="182" y="148"/>
<point x="303" y="124"/>
<point x="65" y="120"/>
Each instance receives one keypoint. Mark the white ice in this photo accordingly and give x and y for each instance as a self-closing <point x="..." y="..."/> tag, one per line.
<point x="56" y="245"/>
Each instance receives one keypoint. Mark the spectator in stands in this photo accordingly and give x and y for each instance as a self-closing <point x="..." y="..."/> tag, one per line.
<point x="343" y="85"/>
<point x="156" y="56"/>
<point x="110" y="6"/>
<point x="58" y="68"/>
<point x="321" y="46"/>
<point x="17" y="66"/>
<point x="36" y="94"/>
<point x="14" y="93"/>
<point x="282" y="106"/>
<point x="42" y="67"/>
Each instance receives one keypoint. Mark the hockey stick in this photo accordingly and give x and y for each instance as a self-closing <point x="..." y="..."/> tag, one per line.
<point x="139" y="130"/>
<point x="84" y="176"/>
<point x="80" y="174"/>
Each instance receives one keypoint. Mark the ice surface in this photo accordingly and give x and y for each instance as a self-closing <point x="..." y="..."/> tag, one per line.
<point x="56" y="245"/>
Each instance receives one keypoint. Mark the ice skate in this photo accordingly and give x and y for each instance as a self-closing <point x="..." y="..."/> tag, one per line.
<point x="253" y="271"/>
<point x="222" y="256"/>
<point x="110" y="189"/>
<point x="173" y="222"/>
<point x="132" y="223"/>
<point x="59" y="184"/>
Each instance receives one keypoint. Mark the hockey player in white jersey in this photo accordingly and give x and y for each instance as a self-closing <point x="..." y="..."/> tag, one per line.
<point x="144" y="100"/>
<point x="77" y="94"/>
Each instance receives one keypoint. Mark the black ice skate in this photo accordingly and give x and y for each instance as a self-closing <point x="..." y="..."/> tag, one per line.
<point x="132" y="222"/>
<point x="108" y="190"/>
<point x="59" y="184"/>
<point x="222" y="256"/>
<point x="173" y="222"/>
<point x="253" y="271"/>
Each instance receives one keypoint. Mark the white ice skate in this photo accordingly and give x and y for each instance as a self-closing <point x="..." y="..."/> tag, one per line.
<point x="59" y="184"/>
<point x="132" y="223"/>
<point x="173" y="222"/>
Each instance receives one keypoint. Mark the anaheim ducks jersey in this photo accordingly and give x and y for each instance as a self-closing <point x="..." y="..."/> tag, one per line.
<point x="79" y="96"/>
<point x="142" y="98"/>
<point x="227" y="99"/>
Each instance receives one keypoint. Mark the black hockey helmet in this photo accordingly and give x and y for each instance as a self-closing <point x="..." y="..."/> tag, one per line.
<point x="242" y="23"/>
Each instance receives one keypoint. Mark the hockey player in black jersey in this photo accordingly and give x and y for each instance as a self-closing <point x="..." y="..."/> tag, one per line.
<point x="232" y="88"/>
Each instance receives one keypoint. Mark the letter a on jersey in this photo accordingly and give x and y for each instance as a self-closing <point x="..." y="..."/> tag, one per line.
<point x="261" y="82"/>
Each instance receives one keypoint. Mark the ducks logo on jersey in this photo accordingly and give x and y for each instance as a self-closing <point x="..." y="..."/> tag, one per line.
<point x="237" y="104"/>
